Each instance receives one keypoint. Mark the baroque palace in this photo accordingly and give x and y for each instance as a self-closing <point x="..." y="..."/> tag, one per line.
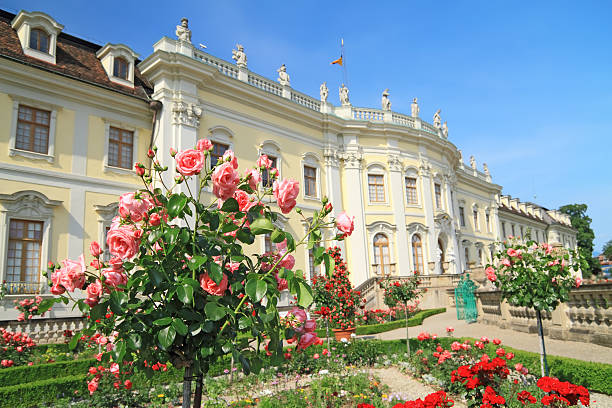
<point x="76" y="116"/>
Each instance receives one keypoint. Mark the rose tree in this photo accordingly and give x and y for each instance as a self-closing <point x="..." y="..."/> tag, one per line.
<point x="181" y="285"/>
<point x="535" y="276"/>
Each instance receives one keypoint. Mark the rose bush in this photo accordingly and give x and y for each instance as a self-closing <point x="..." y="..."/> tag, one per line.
<point x="181" y="286"/>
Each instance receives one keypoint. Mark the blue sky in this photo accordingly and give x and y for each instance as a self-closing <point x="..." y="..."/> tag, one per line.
<point x="525" y="86"/>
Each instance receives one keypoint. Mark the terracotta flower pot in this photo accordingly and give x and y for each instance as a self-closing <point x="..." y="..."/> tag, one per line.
<point x="343" y="333"/>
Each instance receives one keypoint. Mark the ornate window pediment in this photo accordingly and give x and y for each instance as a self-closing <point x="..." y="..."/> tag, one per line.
<point x="118" y="61"/>
<point x="37" y="34"/>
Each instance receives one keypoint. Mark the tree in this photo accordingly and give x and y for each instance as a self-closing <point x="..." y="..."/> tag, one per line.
<point x="581" y="222"/>
<point x="607" y="249"/>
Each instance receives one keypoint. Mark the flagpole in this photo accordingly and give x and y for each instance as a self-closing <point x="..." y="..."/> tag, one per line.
<point x="344" y="71"/>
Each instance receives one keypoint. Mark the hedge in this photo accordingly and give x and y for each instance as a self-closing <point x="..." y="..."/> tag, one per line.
<point x="42" y="392"/>
<point x="29" y="374"/>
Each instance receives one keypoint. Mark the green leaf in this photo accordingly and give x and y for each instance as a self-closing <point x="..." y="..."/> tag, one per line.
<point x="184" y="235"/>
<point x="230" y="205"/>
<point x="75" y="339"/>
<point x="330" y="264"/>
<point x="244" y="322"/>
<point x="46" y="304"/>
<point x="244" y="235"/>
<point x="262" y="225"/>
<point x="214" y="311"/>
<point x="134" y="341"/>
<point x="117" y="301"/>
<point x="304" y="295"/>
<point x="181" y="328"/>
<point x="164" y="321"/>
<point x="98" y="311"/>
<point x="256" y="289"/>
<point x="156" y="276"/>
<point x="246" y="367"/>
<point x="176" y="204"/>
<point x="171" y="235"/>
<point x="277" y="236"/>
<point x="166" y="336"/>
<point x="185" y="294"/>
<point x="290" y="243"/>
<point x="206" y="351"/>
<point x="229" y="227"/>
<point x="214" y="271"/>
<point x="155" y="235"/>
<point x="196" y="261"/>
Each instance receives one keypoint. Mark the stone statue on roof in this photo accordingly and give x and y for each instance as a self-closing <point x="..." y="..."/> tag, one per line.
<point x="473" y="162"/>
<point x="386" y="102"/>
<point x="344" y="95"/>
<point x="283" y="76"/>
<point x="414" y="108"/>
<point x="437" y="120"/>
<point x="183" y="32"/>
<point x="486" y="169"/>
<point x="239" y="56"/>
<point x="324" y="92"/>
<point x="445" y="130"/>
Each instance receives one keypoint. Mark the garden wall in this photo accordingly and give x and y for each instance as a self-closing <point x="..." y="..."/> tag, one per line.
<point x="585" y="317"/>
<point x="44" y="330"/>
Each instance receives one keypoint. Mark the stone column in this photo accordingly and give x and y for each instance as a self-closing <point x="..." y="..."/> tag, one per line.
<point x="397" y="196"/>
<point x="332" y="179"/>
<point x="449" y="183"/>
<point x="425" y="173"/>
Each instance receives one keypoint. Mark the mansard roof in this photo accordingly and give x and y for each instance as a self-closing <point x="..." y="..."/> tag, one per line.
<point x="75" y="58"/>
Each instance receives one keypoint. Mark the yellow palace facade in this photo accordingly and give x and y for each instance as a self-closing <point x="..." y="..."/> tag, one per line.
<point x="76" y="116"/>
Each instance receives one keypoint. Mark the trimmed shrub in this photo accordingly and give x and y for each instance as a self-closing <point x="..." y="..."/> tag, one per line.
<point x="42" y="392"/>
<point x="29" y="374"/>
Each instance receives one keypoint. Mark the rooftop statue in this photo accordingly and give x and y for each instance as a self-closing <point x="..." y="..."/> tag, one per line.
<point x="486" y="169"/>
<point x="239" y="56"/>
<point x="473" y="162"/>
<point x="445" y="130"/>
<point x="283" y="76"/>
<point x="414" y="108"/>
<point x="386" y="103"/>
<point x="182" y="31"/>
<point x="437" y="120"/>
<point x="344" y="95"/>
<point x="324" y="92"/>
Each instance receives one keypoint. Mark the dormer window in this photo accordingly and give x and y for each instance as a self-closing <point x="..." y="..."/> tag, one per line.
<point x="39" y="40"/>
<point x="118" y="61"/>
<point x="120" y="68"/>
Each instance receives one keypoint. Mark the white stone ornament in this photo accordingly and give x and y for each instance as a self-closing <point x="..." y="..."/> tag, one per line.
<point x="437" y="120"/>
<point x="473" y="162"/>
<point x="239" y="56"/>
<point x="414" y="108"/>
<point x="324" y="91"/>
<point x="344" y="95"/>
<point x="183" y="32"/>
<point x="386" y="102"/>
<point x="445" y="130"/>
<point x="186" y="114"/>
<point x="283" y="76"/>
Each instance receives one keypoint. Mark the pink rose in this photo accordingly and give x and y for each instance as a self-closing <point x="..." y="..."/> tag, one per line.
<point x="123" y="241"/>
<point x="204" y="145"/>
<point x="490" y="272"/>
<point x="288" y="262"/>
<point x="114" y="277"/>
<point x="456" y="346"/>
<point x="134" y="208"/>
<point x="264" y="161"/>
<point x="72" y="275"/>
<point x="229" y="157"/>
<point x="244" y="200"/>
<point x="578" y="281"/>
<point x="94" y="290"/>
<point x="506" y="262"/>
<point x="281" y="283"/>
<point x="211" y="287"/>
<point x="225" y="179"/>
<point x="299" y="314"/>
<point x="114" y="368"/>
<point x="94" y="249"/>
<point x="57" y="290"/>
<point x="92" y="386"/>
<point x="309" y="326"/>
<point x="511" y="252"/>
<point x="190" y="162"/>
<point x="345" y="223"/>
<point x="285" y="192"/>
<point x="254" y="177"/>
<point x="307" y="340"/>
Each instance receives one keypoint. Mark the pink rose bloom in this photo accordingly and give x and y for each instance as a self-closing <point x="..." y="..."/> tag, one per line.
<point x="285" y="192"/>
<point x="307" y="340"/>
<point x="114" y="277"/>
<point x="134" y="207"/>
<point x="155" y="219"/>
<point x="263" y="161"/>
<point x="190" y="162"/>
<point x="485" y="339"/>
<point x="497" y="342"/>
<point x="244" y="200"/>
<point x="518" y="367"/>
<point x="95" y="264"/>
<point x="204" y="145"/>
<point x="57" y="289"/>
<point x="511" y="252"/>
<point x="211" y="287"/>
<point x="506" y="262"/>
<point x="299" y="314"/>
<point x="490" y="272"/>
<point x="281" y="283"/>
<point x="578" y="281"/>
<point x="94" y="249"/>
<point x="309" y="326"/>
<point x="21" y="317"/>
<point x="225" y="179"/>
<point x="114" y="368"/>
<point x="230" y="157"/>
<point x="254" y="177"/>
<point x="456" y="346"/>
<point x="288" y="262"/>
<point x="72" y="275"/>
<point x="123" y="242"/>
<point x="92" y="386"/>
<point x="345" y="223"/>
<point x="94" y="290"/>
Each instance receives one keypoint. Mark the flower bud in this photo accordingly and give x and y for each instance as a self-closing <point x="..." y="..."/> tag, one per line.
<point x="140" y="169"/>
<point x="150" y="154"/>
<point x="173" y="151"/>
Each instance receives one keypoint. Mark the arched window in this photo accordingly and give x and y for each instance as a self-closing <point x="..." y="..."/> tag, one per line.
<point x="39" y="40"/>
<point x="381" y="254"/>
<point x="467" y="256"/>
<point x="417" y="253"/>
<point x="120" y="68"/>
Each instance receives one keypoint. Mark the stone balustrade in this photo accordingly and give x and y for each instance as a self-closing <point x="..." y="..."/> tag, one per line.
<point x="585" y="317"/>
<point x="46" y="331"/>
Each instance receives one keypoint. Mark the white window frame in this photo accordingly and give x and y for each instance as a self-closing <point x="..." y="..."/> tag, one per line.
<point x="442" y="206"/>
<point x="312" y="160"/>
<point x="412" y="173"/>
<point x="119" y="170"/>
<point x="272" y="148"/>
<point x="32" y="206"/>
<point x="25" y="22"/>
<point x="388" y="230"/>
<point x="476" y="222"/>
<point x="106" y="213"/>
<point x="18" y="100"/>
<point x="377" y="169"/>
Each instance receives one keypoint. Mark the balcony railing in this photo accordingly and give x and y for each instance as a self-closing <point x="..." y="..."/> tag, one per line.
<point x="24" y="288"/>
<point x="383" y="269"/>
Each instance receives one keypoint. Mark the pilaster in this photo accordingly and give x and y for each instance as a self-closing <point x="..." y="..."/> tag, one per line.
<point x="425" y="174"/>
<point x="397" y="196"/>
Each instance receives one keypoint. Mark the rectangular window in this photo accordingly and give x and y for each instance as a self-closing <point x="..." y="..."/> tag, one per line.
<point x="266" y="180"/>
<point x="310" y="181"/>
<point x="411" y="190"/>
<point x="504" y="230"/>
<point x="476" y="226"/>
<point x="120" y="148"/>
<point x="438" y="192"/>
<point x="513" y="232"/>
<point x="218" y="149"/>
<point x="376" y="188"/>
<point x="33" y="129"/>
<point x="315" y="270"/>
<point x="522" y="232"/>
<point x="120" y="68"/>
<point x="488" y="221"/>
<point x="23" y="259"/>
<point x="462" y="216"/>
<point x="267" y="243"/>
